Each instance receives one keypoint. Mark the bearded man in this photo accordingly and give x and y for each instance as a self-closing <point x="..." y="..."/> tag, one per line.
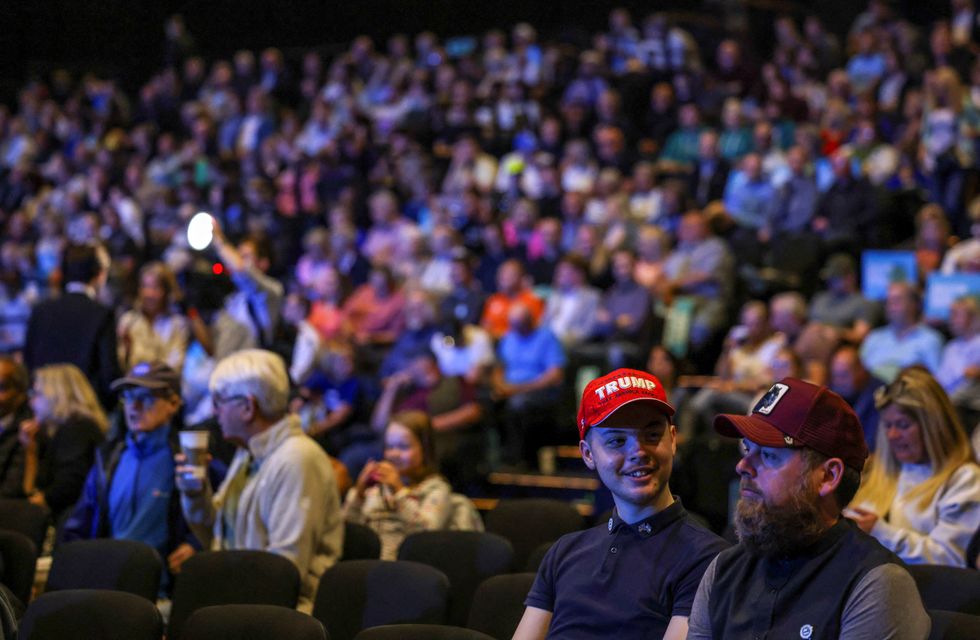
<point x="801" y="570"/>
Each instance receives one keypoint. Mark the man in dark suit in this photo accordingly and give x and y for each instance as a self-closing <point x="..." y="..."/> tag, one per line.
<point x="710" y="175"/>
<point x="75" y="327"/>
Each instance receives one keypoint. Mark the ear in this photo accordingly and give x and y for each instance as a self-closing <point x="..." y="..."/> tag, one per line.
<point x="673" y="439"/>
<point x="830" y="474"/>
<point x="586" y="452"/>
<point x="251" y="408"/>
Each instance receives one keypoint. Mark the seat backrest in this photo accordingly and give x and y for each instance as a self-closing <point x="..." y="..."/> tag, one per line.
<point x="118" y="565"/>
<point x="360" y="542"/>
<point x="537" y="556"/>
<point x="420" y="632"/>
<point x="466" y="557"/>
<point x="25" y="517"/>
<point x="19" y="560"/>
<point x="251" y="622"/>
<point x="948" y="588"/>
<point x="528" y="522"/>
<point x="82" y="614"/>
<point x="232" y="577"/>
<point x="498" y="604"/>
<point x="951" y="625"/>
<point x="357" y="594"/>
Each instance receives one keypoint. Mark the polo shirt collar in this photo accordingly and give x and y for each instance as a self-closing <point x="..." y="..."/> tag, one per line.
<point x="648" y="527"/>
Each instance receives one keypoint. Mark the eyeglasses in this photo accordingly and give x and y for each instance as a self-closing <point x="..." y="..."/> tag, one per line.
<point x="217" y="401"/>
<point x="140" y="395"/>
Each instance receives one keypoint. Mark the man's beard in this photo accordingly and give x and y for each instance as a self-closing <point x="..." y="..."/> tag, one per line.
<point x="769" y="530"/>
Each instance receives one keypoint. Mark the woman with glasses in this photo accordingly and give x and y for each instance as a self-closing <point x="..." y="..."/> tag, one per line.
<point x="920" y="495"/>
<point x="67" y="415"/>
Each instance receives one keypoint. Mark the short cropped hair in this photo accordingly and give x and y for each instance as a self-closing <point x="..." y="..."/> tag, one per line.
<point x="257" y="373"/>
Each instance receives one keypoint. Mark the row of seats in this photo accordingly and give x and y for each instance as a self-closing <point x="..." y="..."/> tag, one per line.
<point x="112" y="615"/>
<point x="455" y="577"/>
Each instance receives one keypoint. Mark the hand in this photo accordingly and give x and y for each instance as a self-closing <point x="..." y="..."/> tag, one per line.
<point x="366" y="478"/>
<point x="399" y="379"/>
<point x="179" y="556"/>
<point x="503" y="390"/>
<point x="37" y="498"/>
<point x="216" y="232"/>
<point x="385" y="473"/>
<point x="186" y="477"/>
<point x="624" y="321"/>
<point x="864" y="519"/>
<point x="28" y="434"/>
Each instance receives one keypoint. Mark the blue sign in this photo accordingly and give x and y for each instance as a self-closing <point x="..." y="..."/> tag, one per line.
<point x="881" y="268"/>
<point x="943" y="290"/>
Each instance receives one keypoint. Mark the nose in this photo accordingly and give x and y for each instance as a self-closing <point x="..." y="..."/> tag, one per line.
<point x="635" y="449"/>
<point x="744" y="467"/>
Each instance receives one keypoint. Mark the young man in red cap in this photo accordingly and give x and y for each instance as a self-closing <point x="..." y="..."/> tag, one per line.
<point x="800" y="570"/>
<point x="635" y="575"/>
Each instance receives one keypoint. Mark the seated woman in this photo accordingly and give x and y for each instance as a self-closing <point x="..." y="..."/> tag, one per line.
<point x="68" y="415"/>
<point x="403" y="493"/>
<point x="920" y="495"/>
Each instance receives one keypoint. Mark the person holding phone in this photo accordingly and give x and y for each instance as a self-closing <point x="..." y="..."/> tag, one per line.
<point x="403" y="493"/>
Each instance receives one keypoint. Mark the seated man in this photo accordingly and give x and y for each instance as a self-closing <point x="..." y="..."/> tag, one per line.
<point x="280" y="494"/>
<point x="528" y="380"/>
<point x="636" y="574"/>
<point x="800" y="570"/>
<point x="511" y="290"/>
<point x="129" y="492"/>
<point x="905" y="340"/>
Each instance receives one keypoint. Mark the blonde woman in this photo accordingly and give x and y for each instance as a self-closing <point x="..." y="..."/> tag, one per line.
<point x="153" y="330"/>
<point x="920" y="495"/>
<point x="69" y="420"/>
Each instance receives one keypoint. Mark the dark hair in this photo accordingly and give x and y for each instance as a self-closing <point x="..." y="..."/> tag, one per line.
<point x="850" y="480"/>
<point x="19" y="378"/>
<point x="80" y="263"/>
<point x="576" y="262"/>
<point x="261" y="244"/>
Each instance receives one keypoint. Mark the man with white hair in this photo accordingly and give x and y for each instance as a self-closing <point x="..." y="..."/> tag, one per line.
<point x="280" y="494"/>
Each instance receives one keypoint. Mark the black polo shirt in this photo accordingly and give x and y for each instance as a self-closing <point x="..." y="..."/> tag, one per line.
<point x="624" y="579"/>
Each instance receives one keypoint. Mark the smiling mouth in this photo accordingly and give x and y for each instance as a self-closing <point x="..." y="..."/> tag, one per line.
<point x="639" y="473"/>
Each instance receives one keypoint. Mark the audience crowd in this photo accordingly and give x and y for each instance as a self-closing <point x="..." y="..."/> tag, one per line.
<point x="446" y="239"/>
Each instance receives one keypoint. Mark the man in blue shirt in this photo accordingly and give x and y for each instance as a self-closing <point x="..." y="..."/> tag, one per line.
<point x="636" y="575"/>
<point x="528" y="379"/>
<point x="905" y="340"/>
<point x="129" y="492"/>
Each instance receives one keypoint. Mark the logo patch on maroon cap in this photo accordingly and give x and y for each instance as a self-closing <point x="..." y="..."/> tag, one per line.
<point x="771" y="399"/>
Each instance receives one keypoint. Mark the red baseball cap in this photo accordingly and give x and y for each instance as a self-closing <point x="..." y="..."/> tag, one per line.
<point x="794" y="413"/>
<point x="605" y="395"/>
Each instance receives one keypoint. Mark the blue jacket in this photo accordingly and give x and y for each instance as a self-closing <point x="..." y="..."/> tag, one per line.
<point x="90" y="516"/>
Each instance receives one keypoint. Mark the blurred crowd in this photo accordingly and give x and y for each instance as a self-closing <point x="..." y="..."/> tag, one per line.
<point x="472" y="226"/>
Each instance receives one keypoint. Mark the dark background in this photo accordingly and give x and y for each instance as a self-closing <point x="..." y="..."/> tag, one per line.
<point x="123" y="38"/>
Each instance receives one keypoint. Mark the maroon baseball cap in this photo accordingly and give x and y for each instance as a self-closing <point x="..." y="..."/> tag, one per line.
<point x="794" y="413"/>
<point x="604" y="396"/>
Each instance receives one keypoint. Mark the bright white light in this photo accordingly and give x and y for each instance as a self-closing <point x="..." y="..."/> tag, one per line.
<point x="200" y="231"/>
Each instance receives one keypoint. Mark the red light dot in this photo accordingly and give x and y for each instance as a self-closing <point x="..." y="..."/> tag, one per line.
<point x="217" y="269"/>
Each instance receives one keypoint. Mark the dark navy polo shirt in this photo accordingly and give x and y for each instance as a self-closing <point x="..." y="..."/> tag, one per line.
<point x="624" y="579"/>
